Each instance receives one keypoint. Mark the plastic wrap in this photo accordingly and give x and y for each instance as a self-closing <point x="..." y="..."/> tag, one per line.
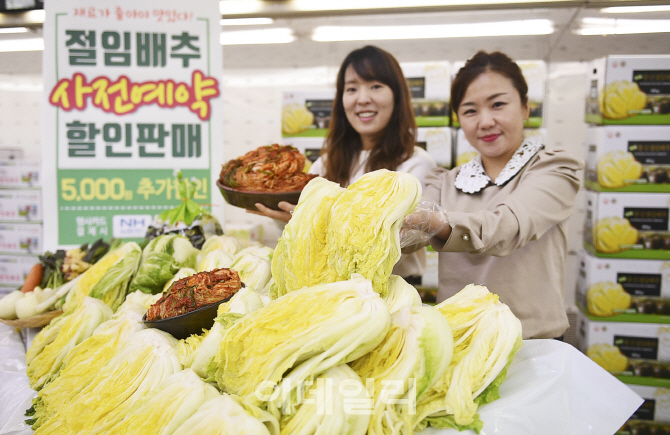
<point x="15" y="393"/>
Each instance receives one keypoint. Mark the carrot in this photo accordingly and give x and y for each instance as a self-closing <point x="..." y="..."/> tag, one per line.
<point x="33" y="279"/>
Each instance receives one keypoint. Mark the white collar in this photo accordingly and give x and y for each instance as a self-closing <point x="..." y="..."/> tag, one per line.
<point x="471" y="177"/>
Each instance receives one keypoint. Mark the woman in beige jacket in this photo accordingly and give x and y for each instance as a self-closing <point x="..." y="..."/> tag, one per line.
<point x="500" y="220"/>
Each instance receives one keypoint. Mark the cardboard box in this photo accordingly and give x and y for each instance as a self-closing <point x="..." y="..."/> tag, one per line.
<point x="464" y="152"/>
<point x="535" y="73"/>
<point x="20" y="205"/>
<point x="15" y="268"/>
<point x="629" y="90"/>
<point x="628" y="159"/>
<point x="437" y="141"/>
<point x="656" y="406"/>
<point x="21" y="238"/>
<point x="430" y="86"/>
<point x="624" y="289"/>
<point x="306" y="113"/>
<point x="634" y="352"/>
<point x="20" y="173"/>
<point x="627" y="225"/>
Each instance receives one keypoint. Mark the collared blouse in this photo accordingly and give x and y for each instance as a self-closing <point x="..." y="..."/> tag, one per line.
<point x="510" y="234"/>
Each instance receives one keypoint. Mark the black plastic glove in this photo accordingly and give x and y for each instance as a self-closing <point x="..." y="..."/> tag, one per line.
<point x="426" y="221"/>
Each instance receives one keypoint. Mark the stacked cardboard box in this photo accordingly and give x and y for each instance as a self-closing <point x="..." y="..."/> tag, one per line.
<point x="624" y="283"/>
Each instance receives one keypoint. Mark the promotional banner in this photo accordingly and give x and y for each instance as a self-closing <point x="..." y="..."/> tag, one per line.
<point x="133" y="95"/>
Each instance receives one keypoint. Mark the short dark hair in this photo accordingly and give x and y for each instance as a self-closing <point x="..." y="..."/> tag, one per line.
<point x="483" y="62"/>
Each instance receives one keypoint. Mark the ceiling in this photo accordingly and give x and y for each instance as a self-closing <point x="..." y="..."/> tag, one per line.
<point x="561" y="46"/>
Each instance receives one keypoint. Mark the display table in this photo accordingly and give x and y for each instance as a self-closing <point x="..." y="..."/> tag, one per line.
<point x="551" y="389"/>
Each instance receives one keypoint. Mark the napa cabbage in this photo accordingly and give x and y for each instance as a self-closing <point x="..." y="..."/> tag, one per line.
<point x="337" y="323"/>
<point x="75" y="328"/>
<point x="145" y="360"/>
<point x="487" y="335"/>
<point x="327" y="406"/>
<point x="401" y="294"/>
<point x="215" y="259"/>
<point x="335" y="233"/>
<point x="227" y="415"/>
<point x="163" y="409"/>
<point x="255" y="272"/>
<point x="414" y="355"/>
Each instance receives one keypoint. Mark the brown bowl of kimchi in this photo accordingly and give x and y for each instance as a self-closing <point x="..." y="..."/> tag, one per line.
<point x="248" y="200"/>
<point x="190" y="305"/>
<point x="267" y="175"/>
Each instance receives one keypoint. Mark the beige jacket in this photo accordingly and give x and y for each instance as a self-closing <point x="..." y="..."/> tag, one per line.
<point x="511" y="237"/>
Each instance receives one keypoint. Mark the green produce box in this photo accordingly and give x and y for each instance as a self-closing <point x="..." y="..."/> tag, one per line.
<point x="306" y="113"/>
<point x="23" y="238"/>
<point x="535" y="73"/>
<point x="628" y="159"/>
<point x="627" y="225"/>
<point x="430" y="86"/>
<point x="656" y="406"/>
<point x="437" y="142"/>
<point x="629" y="90"/>
<point x="625" y="290"/>
<point x="636" y="353"/>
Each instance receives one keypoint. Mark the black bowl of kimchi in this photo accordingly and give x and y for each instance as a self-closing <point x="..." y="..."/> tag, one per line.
<point x="185" y="325"/>
<point x="248" y="200"/>
<point x="190" y="305"/>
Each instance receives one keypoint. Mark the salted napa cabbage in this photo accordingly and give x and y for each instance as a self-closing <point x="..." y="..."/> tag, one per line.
<point x="229" y="245"/>
<point x="215" y="259"/>
<point x="487" y="335"/>
<point x="414" y="355"/>
<point x="95" y="273"/>
<point x="369" y="214"/>
<point x="300" y="258"/>
<point x="338" y="322"/>
<point x="328" y="408"/>
<point x="255" y="272"/>
<point x="76" y="327"/>
<point x="81" y="364"/>
<point x="357" y="231"/>
<point x="164" y="409"/>
<point x="145" y="360"/>
<point x="46" y="336"/>
<point x="401" y="294"/>
<point x="155" y="271"/>
<point x="226" y="415"/>
<point x="200" y="350"/>
<point x="113" y="286"/>
<point x="264" y="252"/>
<point x="177" y="246"/>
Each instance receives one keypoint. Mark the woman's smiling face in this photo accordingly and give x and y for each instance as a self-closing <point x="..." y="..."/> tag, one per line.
<point x="368" y="106"/>
<point x="492" y="116"/>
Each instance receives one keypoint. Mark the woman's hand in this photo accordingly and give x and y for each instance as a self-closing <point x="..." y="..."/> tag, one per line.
<point x="428" y="220"/>
<point x="283" y="215"/>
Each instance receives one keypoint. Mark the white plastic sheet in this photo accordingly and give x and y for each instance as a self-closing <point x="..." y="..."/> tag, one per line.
<point x="15" y="392"/>
<point x="551" y="389"/>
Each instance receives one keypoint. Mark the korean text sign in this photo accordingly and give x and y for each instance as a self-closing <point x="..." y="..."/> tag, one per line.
<point x="132" y="95"/>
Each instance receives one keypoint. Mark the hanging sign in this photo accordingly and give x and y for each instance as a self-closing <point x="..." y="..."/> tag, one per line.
<point x="133" y="95"/>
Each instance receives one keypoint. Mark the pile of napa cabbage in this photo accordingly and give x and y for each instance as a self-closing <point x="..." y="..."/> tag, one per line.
<point x="323" y="339"/>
